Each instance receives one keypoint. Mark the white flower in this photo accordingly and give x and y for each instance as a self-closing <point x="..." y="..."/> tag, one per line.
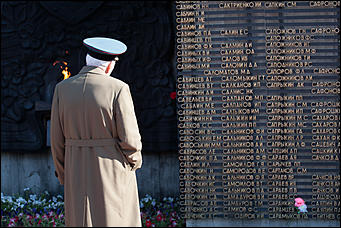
<point x="9" y="199"/>
<point x="303" y="208"/>
<point x="141" y="205"/>
<point x="36" y="202"/>
<point x="26" y="189"/>
<point x="21" y="200"/>
<point x="54" y="199"/>
<point x="33" y="197"/>
<point x="153" y="203"/>
<point x="148" y="197"/>
<point x="170" y="199"/>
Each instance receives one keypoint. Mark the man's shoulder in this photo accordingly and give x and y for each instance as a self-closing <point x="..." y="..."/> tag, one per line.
<point x="114" y="83"/>
<point x="105" y="79"/>
<point x="67" y="81"/>
<point x="117" y="81"/>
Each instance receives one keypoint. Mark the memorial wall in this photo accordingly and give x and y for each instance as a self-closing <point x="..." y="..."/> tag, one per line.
<point x="258" y="106"/>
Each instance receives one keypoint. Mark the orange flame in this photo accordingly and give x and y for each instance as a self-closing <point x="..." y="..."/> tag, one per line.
<point x="65" y="71"/>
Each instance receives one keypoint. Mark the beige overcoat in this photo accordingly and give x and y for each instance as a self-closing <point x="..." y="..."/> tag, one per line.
<point x="96" y="148"/>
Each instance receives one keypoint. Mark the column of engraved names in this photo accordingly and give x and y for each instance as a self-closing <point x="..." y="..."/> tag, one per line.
<point x="295" y="51"/>
<point x="287" y="55"/>
<point x="325" y="119"/>
<point x="198" y="140"/>
<point x="286" y="119"/>
<point x="243" y="159"/>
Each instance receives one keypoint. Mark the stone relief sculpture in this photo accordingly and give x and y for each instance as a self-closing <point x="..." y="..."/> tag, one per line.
<point x="35" y="35"/>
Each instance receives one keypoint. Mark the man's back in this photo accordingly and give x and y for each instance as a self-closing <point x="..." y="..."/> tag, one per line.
<point x="87" y="98"/>
<point x="96" y="147"/>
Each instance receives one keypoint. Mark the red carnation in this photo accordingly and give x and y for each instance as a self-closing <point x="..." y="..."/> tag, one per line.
<point x="159" y="217"/>
<point x="173" y="95"/>
<point x="148" y="223"/>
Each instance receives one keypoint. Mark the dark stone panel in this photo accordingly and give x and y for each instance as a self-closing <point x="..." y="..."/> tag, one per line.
<point x="37" y="37"/>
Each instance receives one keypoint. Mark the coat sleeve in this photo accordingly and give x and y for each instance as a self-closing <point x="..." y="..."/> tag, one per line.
<point x="127" y="128"/>
<point x="57" y="138"/>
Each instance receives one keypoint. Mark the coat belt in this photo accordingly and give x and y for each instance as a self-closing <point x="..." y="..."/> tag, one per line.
<point x="90" y="142"/>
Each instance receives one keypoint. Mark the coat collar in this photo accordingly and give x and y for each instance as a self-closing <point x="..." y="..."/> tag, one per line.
<point x="91" y="69"/>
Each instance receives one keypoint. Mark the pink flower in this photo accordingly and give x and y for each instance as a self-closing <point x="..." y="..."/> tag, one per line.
<point x="12" y="220"/>
<point x="299" y="202"/>
<point x="39" y="221"/>
<point x="174" y="223"/>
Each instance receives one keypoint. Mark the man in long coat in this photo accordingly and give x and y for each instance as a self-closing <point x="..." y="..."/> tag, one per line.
<point x="96" y="146"/>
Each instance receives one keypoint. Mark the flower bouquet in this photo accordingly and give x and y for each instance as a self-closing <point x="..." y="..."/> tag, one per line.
<point x="300" y="205"/>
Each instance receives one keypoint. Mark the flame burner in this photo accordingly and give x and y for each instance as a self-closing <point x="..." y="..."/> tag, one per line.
<point x="63" y="66"/>
<point x="43" y="108"/>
